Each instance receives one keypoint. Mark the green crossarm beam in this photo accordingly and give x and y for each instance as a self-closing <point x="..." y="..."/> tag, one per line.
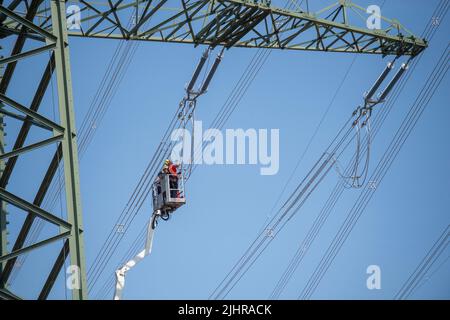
<point x="241" y="23"/>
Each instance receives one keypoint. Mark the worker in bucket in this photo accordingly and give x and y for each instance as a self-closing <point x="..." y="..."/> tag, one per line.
<point x="173" y="180"/>
<point x="171" y="169"/>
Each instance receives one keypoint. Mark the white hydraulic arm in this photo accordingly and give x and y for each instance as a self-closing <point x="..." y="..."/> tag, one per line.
<point x="120" y="273"/>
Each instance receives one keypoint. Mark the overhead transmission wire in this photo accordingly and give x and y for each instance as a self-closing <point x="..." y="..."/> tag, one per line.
<point x="299" y="161"/>
<point x="306" y="243"/>
<point x="100" y="103"/>
<point x="225" y="115"/>
<point x="261" y="242"/>
<point x="426" y="93"/>
<point x="237" y="93"/>
<point x="111" y="282"/>
<point x="316" y="131"/>
<point x="381" y="170"/>
<point x="418" y="274"/>
<point x="158" y="167"/>
<point x="297" y="198"/>
<point x="140" y="193"/>
<point x="250" y="73"/>
<point x="132" y="207"/>
<point x="308" y="144"/>
<point x="320" y="220"/>
<point x="145" y="184"/>
<point x="137" y="199"/>
<point x="241" y="261"/>
<point x="135" y="246"/>
<point x="221" y="118"/>
<point x="239" y="90"/>
<point x="313" y="136"/>
<point x="261" y="57"/>
<point x="255" y="250"/>
<point x="429" y="274"/>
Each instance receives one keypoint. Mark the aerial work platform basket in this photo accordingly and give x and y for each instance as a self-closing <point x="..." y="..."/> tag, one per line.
<point x="168" y="192"/>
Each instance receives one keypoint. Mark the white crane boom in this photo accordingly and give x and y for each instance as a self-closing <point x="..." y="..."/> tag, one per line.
<point x="120" y="273"/>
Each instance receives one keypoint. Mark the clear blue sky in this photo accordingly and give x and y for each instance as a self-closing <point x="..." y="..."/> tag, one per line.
<point x="227" y="205"/>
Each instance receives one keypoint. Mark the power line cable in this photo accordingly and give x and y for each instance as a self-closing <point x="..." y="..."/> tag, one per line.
<point x="433" y="254"/>
<point x="340" y="186"/>
<point x="391" y="153"/>
<point x="236" y="95"/>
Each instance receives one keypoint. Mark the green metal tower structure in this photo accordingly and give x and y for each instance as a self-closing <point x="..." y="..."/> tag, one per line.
<point x="43" y="26"/>
<point x="3" y="212"/>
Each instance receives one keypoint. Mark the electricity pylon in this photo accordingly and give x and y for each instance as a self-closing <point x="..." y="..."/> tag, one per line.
<point x="46" y="25"/>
